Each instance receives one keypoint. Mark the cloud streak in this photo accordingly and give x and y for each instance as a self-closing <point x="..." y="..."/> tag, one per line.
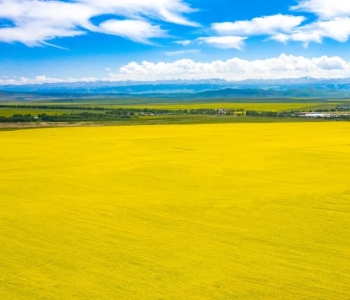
<point x="183" y="52"/>
<point x="38" y="21"/>
<point x="224" y="42"/>
<point x="259" y="26"/>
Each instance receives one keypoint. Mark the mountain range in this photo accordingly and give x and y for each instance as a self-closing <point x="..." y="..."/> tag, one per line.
<point x="193" y="89"/>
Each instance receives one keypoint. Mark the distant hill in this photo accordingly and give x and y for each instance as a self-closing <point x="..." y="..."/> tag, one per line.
<point x="231" y="93"/>
<point x="43" y="92"/>
<point x="261" y="93"/>
<point x="123" y="88"/>
<point x="113" y="88"/>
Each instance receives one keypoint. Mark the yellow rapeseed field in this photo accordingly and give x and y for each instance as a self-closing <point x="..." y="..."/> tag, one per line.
<point x="233" y="211"/>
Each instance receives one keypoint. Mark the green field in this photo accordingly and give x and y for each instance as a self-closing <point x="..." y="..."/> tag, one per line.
<point x="110" y="117"/>
<point x="258" y="106"/>
<point x="252" y="104"/>
<point x="229" y="211"/>
<point x="8" y="112"/>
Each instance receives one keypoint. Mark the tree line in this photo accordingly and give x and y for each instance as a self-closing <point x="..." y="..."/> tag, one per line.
<point x="80" y="117"/>
<point x="268" y="114"/>
<point x="121" y="112"/>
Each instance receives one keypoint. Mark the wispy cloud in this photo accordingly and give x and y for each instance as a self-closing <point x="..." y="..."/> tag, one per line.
<point x="183" y="52"/>
<point x="39" y="21"/>
<point x="224" y="42"/>
<point x="259" y="26"/>
<point x="183" y="43"/>
<point x="136" y="30"/>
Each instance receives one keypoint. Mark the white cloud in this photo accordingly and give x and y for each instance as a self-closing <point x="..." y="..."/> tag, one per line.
<point x="325" y="9"/>
<point x="183" y="43"/>
<point x="259" y="26"/>
<point x="285" y="28"/>
<point x="284" y="66"/>
<point x="231" y="35"/>
<point x="237" y="69"/>
<point x="167" y="10"/>
<point x="183" y="52"/>
<point x="337" y="29"/>
<point x="35" y="34"/>
<point x="38" y="21"/>
<point x="41" y="79"/>
<point x="333" y="22"/>
<point x="224" y="42"/>
<point x="135" y="30"/>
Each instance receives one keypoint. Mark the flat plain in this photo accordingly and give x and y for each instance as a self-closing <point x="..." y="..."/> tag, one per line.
<point x="258" y="105"/>
<point x="231" y="105"/>
<point x="226" y="211"/>
<point x="8" y="112"/>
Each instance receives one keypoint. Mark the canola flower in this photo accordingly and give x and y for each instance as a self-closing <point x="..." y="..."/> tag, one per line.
<point x="233" y="211"/>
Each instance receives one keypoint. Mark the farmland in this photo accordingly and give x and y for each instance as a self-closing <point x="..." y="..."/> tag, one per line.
<point x="225" y="211"/>
<point x="253" y="104"/>
<point x="267" y="106"/>
<point x="158" y="113"/>
<point x="7" y="112"/>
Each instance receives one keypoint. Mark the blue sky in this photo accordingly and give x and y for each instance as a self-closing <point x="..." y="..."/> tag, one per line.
<point x="49" y="41"/>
